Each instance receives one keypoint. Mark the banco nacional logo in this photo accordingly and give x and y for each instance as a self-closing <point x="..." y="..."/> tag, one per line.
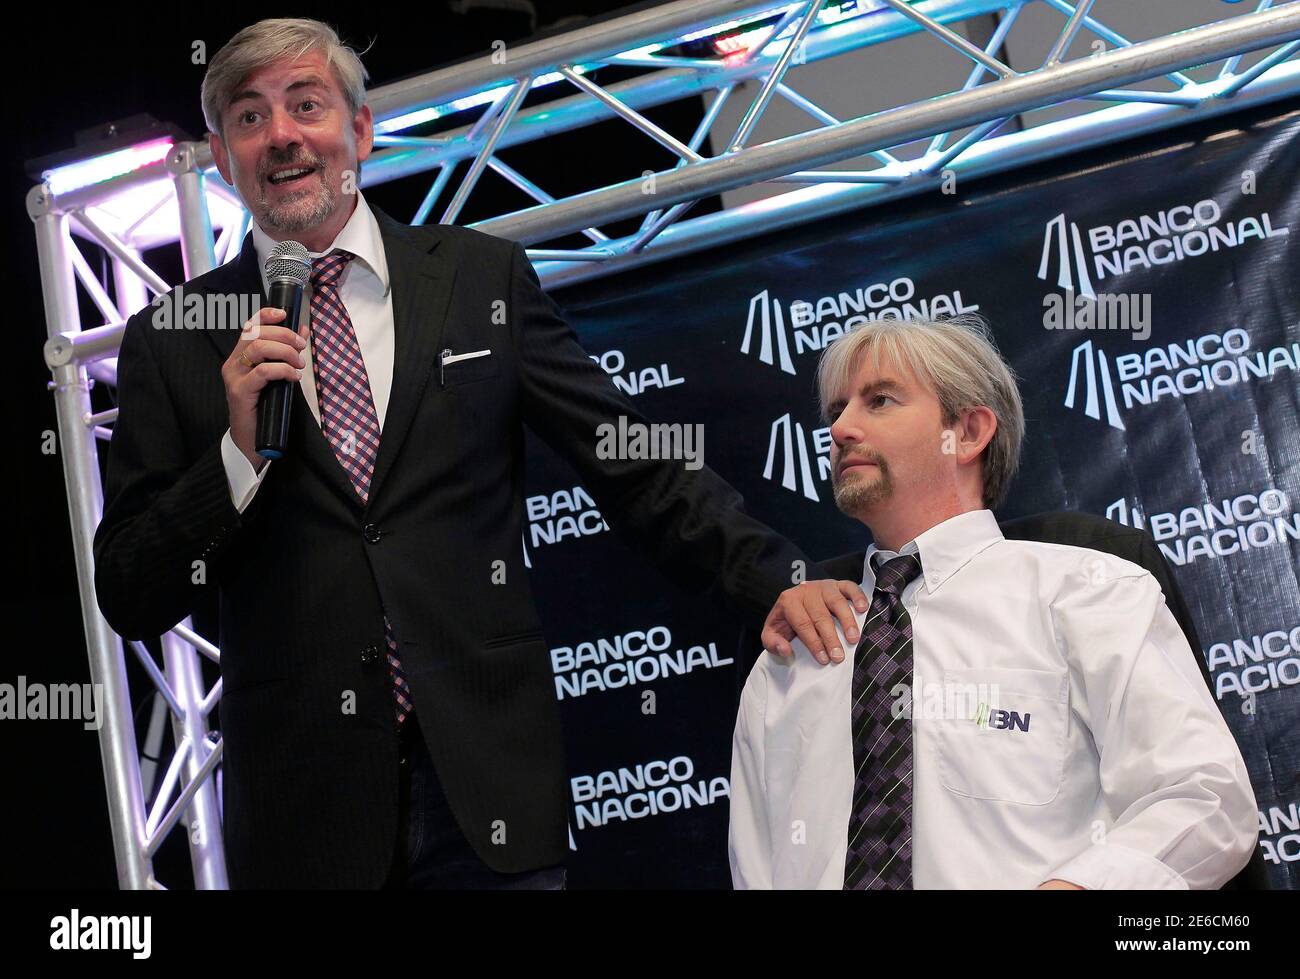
<point x="779" y="334"/>
<point x="1071" y="261"/>
<point x="766" y="314"/>
<point x="1095" y="379"/>
<point x="801" y="469"/>
<point x="1180" y="369"/>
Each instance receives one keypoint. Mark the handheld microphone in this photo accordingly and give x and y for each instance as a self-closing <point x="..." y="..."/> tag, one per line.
<point x="288" y="268"/>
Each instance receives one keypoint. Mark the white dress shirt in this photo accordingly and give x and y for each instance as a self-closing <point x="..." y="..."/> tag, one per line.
<point x="1116" y="769"/>
<point x="364" y="290"/>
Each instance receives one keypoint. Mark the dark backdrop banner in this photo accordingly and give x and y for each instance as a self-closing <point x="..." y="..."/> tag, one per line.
<point x="1181" y="418"/>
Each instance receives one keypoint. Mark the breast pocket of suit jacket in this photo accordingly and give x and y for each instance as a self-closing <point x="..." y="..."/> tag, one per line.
<point x="1003" y="736"/>
<point x="466" y="363"/>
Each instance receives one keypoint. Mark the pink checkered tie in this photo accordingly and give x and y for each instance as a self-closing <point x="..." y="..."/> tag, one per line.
<point x="347" y="411"/>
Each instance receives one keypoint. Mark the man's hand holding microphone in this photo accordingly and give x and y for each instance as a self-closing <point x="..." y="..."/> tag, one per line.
<point x="265" y="353"/>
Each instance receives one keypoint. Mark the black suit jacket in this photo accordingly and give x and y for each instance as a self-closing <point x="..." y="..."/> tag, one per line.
<point x="306" y="572"/>
<point x="1079" y="530"/>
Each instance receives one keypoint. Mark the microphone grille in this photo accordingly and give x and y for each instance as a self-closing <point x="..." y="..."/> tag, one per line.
<point x="288" y="260"/>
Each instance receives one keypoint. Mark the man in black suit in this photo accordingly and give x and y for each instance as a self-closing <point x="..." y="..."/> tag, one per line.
<point x="375" y="614"/>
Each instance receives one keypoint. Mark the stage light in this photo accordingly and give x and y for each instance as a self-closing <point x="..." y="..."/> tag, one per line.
<point x="107" y="151"/>
<point x="734" y="40"/>
<point x="101" y="168"/>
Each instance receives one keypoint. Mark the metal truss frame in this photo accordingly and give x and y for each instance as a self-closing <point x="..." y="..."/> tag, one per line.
<point x="765" y="40"/>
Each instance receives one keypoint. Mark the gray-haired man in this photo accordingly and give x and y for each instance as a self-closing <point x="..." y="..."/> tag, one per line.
<point x="388" y="713"/>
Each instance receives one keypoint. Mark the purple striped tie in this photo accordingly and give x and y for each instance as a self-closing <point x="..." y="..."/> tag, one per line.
<point x="880" y="824"/>
<point x="347" y="411"/>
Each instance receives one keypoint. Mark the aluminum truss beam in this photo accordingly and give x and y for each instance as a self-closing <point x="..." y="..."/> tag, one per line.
<point x="1008" y="96"/>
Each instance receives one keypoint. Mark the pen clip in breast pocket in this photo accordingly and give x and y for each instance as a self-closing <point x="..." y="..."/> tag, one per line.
<point x="458" y="368"/>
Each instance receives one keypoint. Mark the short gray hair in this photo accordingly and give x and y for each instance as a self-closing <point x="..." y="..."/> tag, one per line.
<point x="959" y="359"/>
<point x="267" y="42"/>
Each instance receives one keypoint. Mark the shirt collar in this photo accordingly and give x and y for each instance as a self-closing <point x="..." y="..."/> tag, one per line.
<point x="360" y="236"/>
<point x="943" y="549"/>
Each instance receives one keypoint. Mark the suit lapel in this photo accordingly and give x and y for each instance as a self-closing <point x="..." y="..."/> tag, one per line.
<point x="240" y="277"/>
<point x="421" y="276"/>
<point x="421" y="280"/>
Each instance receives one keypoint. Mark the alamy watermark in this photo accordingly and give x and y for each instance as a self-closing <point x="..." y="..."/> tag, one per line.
<point x="1107" y="311"/>
<point x="944" y="701"/>
<point x="637" y="440"/>
<point x="25" y="701"/>
<point x="102" y="932"/>
<point x="181" y="310"/>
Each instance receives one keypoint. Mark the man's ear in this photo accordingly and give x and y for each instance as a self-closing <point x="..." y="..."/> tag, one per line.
<point x="363" y="129"/>
<point x="220" y="157"/>
<point x="975" y="431"/>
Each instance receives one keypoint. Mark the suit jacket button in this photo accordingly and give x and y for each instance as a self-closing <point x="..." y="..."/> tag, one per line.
<point x="372" y="533"/>
<point x="370" y="656"/>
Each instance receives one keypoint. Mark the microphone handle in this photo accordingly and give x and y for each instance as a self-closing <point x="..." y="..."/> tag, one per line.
<point x="273" y="405"/>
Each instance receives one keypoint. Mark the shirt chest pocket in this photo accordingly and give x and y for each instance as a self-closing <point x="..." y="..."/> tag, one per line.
<point x="1005" y="738"/>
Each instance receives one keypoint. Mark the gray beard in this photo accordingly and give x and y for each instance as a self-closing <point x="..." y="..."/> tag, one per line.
<point x="290" y="219"/>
